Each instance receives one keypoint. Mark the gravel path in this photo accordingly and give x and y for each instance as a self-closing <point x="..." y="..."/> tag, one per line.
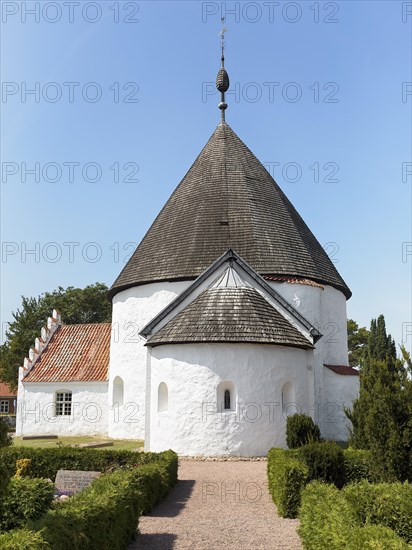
<point x="218" y="505"/>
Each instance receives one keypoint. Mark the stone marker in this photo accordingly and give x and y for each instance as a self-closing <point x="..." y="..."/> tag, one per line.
<point x="71" y="482"/>
<point x="95" y="444"/>
<point x="28" y="437"/>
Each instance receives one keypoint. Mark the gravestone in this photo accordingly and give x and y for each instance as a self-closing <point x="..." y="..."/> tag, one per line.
<point x="70" y="482"/>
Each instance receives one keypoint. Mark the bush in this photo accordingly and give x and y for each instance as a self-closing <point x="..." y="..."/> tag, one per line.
<point x="387" y="504"/>
<point x="375" y="537"/>
<point x="328" y="520"/>
<point x="23" y="539"/>
<point x="325" y="517"/>
<point x="46" y="462"/>
<point x="5" y="473"/>
<point x="5" y="437"/>
<point x="301" y="430"/>
<point x="324" y="461"/>
<point x="357" y="465"/>
<point x="23" y="467"/>
<point x="287" y="476"/>
<point x="25" y="499"/>
<point x="105" y="515"/>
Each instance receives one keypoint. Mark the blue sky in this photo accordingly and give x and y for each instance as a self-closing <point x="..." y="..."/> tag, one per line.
<point x="318" y="92"/>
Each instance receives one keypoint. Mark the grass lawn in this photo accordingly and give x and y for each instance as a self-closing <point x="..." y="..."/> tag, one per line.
<point x="125" y="444"/>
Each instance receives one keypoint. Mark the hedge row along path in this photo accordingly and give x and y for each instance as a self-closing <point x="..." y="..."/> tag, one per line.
<point x="218" y="505"/>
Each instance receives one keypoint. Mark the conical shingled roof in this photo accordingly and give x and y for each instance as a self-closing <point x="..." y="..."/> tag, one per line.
<point x="230" y="314"/>
<point x="227" y="200"/>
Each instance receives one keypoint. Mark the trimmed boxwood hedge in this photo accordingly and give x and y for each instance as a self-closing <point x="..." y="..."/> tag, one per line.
<point x="104" y="516"/>
<point x="23" y="539"/>
<point x="46" y="462"/>
<point x="25" y="499"/>
<point x="387" y="504"/>
<point x="288" y="472"/>
<point x="328" y="519"/>
<point x="324" y="461"/>
<point x="301" y="430"/>
<point x="356" y="465"/>
<point x="287" y="476"/>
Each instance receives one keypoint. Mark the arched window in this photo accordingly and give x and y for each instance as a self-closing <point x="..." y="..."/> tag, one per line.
<point x="118" y="390"/>
<point x="226" y="396"/>
<point x="227" y="399"/>
<point x="288" y="400"/>
<point x="162" y="397"/>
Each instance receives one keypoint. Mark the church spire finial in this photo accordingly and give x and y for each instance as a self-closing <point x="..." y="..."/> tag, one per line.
<point x="222" y="79"/>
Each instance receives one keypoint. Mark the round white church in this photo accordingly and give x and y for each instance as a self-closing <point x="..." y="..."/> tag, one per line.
<point x="228" y="317"/>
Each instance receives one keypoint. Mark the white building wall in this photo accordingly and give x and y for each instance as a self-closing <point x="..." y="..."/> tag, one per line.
<point x="132" y="310"/>
<point x="193" y="425"/>
<point x="326" y="310"/>
<point x="340" y="392"/>
<point x="36" y="413"/>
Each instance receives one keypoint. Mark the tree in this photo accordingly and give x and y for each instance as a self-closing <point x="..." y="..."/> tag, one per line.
<point x="357" y="340"/>
<point x="88" y="305"/>
<point x="382" y="415"/>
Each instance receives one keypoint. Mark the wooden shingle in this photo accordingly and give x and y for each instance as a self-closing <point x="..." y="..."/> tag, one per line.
<point x="230" y="314"/>
<point x="228" y="200"/>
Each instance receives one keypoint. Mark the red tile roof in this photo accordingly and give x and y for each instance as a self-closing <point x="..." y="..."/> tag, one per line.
<point x="5" y="391"/>
<point x="342" y="369"/>
<point x="294" y="280"/>
<point x="75" y="353"/>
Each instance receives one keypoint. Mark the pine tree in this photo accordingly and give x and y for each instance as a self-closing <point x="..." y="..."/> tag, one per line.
<point x="357" y="340"/>
<point x="382" y="415"/>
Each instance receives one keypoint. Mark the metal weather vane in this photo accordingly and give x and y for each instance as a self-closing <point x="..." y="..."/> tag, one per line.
<point x="222" y="80"/>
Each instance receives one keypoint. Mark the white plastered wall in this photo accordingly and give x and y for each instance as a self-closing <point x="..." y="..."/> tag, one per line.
<point x="195" y="424"/>
<point x="36" y="412"/>
<point x="340" y="391"/>
<point x="132" y="310"/>
<point x="326" y="309"/>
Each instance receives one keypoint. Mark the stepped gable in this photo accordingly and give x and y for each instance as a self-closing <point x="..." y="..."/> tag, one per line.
<point x="72" y="353"/>
<point x="228" y="200"/>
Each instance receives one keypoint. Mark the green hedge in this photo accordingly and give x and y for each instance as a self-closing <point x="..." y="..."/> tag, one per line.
<point x="301" y="430"/>
<point x="387" y="504"/>
<point x="324" y="461"/>
<point x="23" y="539"/>
<point x="287" y="476"/>
<point x="46" y="462"/>
<point x="288" y="473"/>
<point x="357" y="465"/>
<point x="105" y="515"/>
<point x="328" y="520"/>
<point x="25" y="499"/>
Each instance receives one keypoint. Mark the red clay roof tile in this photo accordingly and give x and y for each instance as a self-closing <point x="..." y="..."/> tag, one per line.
<point x="5" y="391"/>
<point x="342" y="369"/>
<point x="75" y="353"/>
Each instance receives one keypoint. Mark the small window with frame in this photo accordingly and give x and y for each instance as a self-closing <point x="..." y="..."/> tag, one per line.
<point x="63" y="403"/>
<point x="4" y="407"/>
